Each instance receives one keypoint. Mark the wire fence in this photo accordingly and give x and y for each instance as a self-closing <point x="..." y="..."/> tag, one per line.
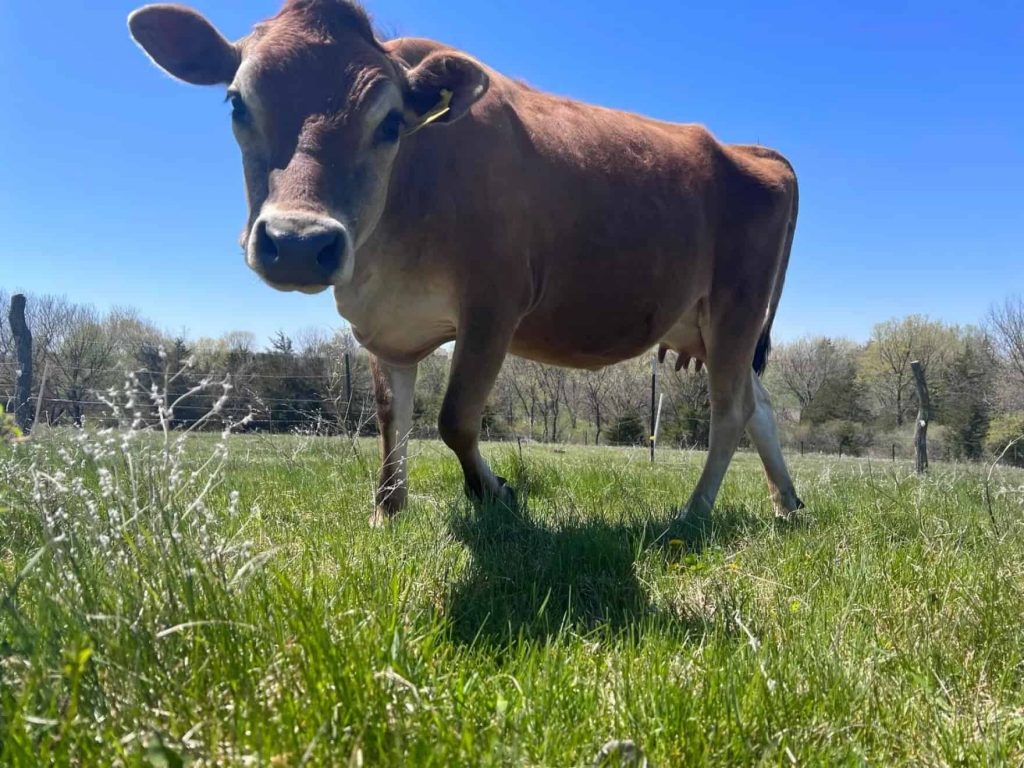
<point x="66" y="370"/>
<point x="322" y="403"/>
<point x="316" y="402"/>
<point x="308" y="401"/>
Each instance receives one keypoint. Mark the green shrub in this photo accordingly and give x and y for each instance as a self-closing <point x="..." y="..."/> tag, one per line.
<point x="9" y="431"/>
<point x="493" y="425"/>
<point x="688" y="428"/>
<point x="628" y="429"/>
<point x="848" y="437"/>
<point x="1003" y="431"/>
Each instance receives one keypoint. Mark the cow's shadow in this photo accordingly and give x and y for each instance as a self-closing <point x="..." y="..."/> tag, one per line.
<point x="531" y="580"/>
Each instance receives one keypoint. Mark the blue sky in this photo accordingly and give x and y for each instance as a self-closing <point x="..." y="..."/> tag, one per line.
<point x="905" y="121"/>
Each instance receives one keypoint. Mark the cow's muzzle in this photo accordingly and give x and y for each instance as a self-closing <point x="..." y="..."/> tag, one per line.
<point x="303" y="252"/>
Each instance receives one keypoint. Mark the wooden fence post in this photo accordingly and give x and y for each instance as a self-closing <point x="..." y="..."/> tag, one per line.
<point x="654" y="397"/>
<point x="923" y="416"/>
<point x="23" y="345"/>
<point x="348" y="393"/>
<point x="657" y="425"/>
<point x="41" y="398"/>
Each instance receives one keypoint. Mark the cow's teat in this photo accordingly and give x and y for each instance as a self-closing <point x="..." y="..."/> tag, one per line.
<point x="301" y="251"/>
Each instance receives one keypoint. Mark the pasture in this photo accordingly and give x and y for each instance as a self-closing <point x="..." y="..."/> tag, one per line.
<point x="223" y="602"/>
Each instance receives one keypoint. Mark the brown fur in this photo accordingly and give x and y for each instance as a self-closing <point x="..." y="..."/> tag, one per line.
<point x="323" y="20"/>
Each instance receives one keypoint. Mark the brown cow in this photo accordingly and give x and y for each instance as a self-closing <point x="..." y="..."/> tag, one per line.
<point x="445" y="202"/>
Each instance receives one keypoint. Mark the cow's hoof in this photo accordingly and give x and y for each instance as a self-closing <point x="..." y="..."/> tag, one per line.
<point x="504" y="496"/>
<point x="690" y="529"/>
<point x="382" y="518"/>
<point x="787" y="511"/>
<point x="696" y="513"/>
<point x="787" y="517"/>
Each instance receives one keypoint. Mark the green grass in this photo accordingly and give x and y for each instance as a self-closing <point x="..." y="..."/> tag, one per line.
<point x="887" y="628"/>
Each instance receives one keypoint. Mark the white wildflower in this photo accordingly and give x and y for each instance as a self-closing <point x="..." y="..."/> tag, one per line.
<point x="106" y="482"/>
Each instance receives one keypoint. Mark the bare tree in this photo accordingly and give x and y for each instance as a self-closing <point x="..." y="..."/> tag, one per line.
<point x="688" y="404"/>
<point x="79" y="346"/>
<point x="82" y="359"/>
<point x="505" y="397"/>
<point x="315" y="342"/>
<point x="431" y="384"/>
<point x="594" y="387"/>
<point x="128" y="332"/>
<point x="551" y="384"/>
<point x="518" y="375"/>
<point x="51" y="318"/>
<point x="240" y="341"/>
<point x="630" y="389"/>
<point x="282" y="344"/>
<point x="1005" y="325"/>
<point x="804" y="366"/>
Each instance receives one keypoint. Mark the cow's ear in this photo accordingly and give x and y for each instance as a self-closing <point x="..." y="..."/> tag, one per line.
<point x="443" y="87"/>
<point x="184" y="44"/>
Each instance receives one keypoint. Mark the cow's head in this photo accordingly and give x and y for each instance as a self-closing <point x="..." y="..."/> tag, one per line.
<point x="319" y="109"/>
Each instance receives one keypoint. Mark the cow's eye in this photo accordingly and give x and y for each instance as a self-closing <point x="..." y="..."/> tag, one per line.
<point x="239" y="111"/>
<point x="390" y="129"/>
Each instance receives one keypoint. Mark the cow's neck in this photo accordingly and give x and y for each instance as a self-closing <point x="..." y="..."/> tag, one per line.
<point x="402" y="300"/>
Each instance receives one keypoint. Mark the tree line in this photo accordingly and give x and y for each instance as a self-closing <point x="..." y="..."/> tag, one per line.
<point x="832" y="395"/>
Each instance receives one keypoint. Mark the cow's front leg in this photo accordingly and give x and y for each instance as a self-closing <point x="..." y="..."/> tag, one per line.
<point x="393" y="389"/>
<point x="480" y="348"/>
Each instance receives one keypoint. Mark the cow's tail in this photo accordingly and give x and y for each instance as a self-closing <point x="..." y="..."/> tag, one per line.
<point x="764" y="343"/>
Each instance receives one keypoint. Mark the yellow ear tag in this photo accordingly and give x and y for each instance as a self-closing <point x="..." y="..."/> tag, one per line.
<point x="442" y="108"/>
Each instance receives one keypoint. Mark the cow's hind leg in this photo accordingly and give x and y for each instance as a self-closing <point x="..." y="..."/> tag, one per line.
<point x="393" y="389"/>
<point x="732" y="404"/>
<point x="764" y="434"/>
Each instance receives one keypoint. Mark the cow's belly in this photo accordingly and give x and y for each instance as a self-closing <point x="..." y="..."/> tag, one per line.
<point x="583" y="320"/>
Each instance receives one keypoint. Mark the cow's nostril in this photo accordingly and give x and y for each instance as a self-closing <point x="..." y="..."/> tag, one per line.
<point x="329" y="257"/>
<point x="266" y="247"/>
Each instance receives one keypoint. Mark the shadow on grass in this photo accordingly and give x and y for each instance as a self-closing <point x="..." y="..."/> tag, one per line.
<point x="530" y="580"/>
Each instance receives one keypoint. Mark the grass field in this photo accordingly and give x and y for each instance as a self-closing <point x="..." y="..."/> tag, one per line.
<point x="161" y="607"/>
